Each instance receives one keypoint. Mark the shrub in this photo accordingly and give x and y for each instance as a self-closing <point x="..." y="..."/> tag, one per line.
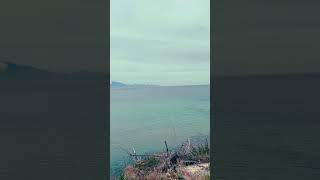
<point x="122" y="177"/>
<point x="200" y="153"/>
<point x="147" y="164"/>
<point x="206" y="177"/>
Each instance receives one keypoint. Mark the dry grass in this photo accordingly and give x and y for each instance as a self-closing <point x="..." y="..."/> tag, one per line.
<point x="187" y="162"/>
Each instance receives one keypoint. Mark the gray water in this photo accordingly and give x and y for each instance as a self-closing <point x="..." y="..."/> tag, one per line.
<point x="144" y="117"/>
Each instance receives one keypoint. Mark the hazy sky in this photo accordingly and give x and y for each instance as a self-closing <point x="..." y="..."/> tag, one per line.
<point x="160" y="42"/>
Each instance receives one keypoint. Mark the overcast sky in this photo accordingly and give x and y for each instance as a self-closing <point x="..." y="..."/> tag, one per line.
<point x="160" y="42"/>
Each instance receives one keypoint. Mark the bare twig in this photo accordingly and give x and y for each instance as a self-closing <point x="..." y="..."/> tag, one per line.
<point x="165" y="142"/>
<point x="123" y="149"/>
<point x="146" y="155"/>
<point x="134" y="152"/>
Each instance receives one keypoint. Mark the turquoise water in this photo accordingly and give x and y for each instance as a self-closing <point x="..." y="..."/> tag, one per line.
<point x="144" y="117"/>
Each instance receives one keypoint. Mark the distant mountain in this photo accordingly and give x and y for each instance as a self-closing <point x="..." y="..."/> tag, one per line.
<point x="116" y="84"/>
<point x="10" y="70"/>
<point x="13" y="71"/>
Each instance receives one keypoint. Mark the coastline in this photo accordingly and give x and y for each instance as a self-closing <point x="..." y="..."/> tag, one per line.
<point x="188" y="161"/>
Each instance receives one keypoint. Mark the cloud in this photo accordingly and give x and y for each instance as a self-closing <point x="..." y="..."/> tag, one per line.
<point x="152" y="39"/>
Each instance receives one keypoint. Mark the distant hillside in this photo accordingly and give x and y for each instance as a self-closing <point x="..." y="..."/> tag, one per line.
<point x="116" y="84"/>
<point x="10" y="70"/>
<point x="14" y="71"/>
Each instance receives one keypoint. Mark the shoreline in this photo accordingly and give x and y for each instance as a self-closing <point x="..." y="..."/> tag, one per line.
<point x="187" y="161"/>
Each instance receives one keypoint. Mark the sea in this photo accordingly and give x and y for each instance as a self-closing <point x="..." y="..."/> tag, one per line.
<point x="144" y="117"/>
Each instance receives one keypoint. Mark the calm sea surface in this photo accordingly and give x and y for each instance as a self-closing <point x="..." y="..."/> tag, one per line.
<point x="144" y="117"/>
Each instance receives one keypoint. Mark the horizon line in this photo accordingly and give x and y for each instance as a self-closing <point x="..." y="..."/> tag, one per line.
<point x="142" y="84"/>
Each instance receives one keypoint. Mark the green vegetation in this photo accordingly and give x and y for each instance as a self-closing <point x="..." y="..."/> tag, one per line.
<point x="201" y="150"/>
<point x="206" y="177"/>
<point x="199" y="153"/>
<point x="122" y="177"/>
